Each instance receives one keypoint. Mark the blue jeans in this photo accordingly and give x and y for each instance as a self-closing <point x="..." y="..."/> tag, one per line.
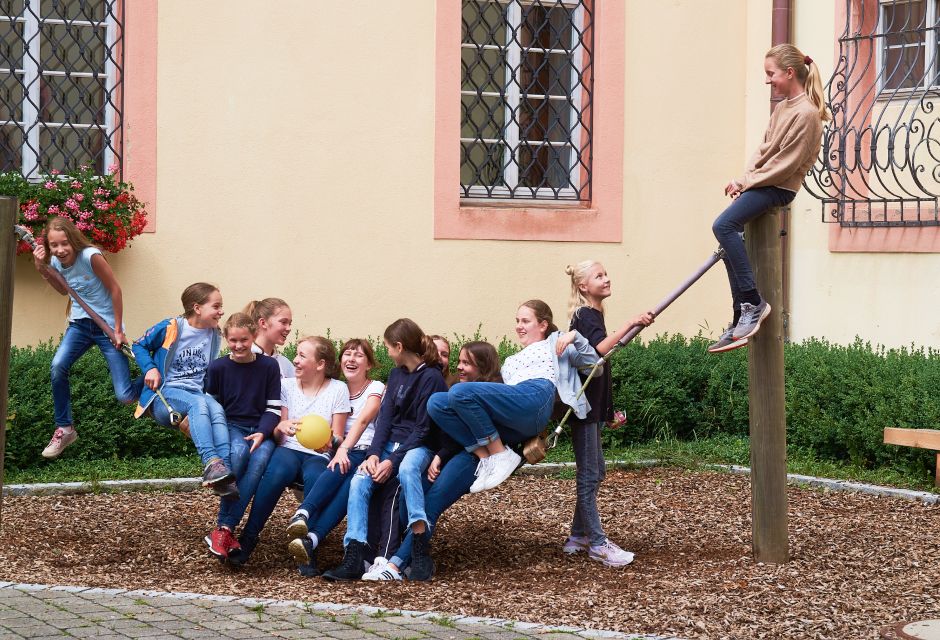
<point x="452" y="484"/>
<point x="328" y="485"/>
<point x="476" y="413"/>
<point x="411" y="473"/>
<point x="207" y="426"/>
<point x="729" y="226"/>
<point x="80" y="336"/>
<point x="248" y="469"/>
<point x="360" y="493"/>
<point x="333" y="512"/>
<point x="286" y="466"/>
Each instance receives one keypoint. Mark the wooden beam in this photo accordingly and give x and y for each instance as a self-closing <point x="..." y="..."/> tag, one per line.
<point x="920" y="438"/>
<point x="8" y="241"/>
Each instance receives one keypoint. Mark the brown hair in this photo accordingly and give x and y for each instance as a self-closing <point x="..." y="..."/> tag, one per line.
<point x="485" y="358"/>
<point x="412" y="338"/>
<point x="788" y="56"/>
<point x="323" y="349"/>
<point x="240" y="320"/>
<point x="75" y="237"/>
<point x="266" y="308"/>
<point x="543" y="313"/>
<point x="196" y="293"/>
<point x="359" y="343"/>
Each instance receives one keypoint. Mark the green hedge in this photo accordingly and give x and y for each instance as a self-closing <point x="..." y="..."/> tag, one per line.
<point x="839" y="399"/>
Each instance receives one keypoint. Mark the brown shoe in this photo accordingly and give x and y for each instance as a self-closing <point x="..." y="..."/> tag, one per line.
<point x="60" y="440"/>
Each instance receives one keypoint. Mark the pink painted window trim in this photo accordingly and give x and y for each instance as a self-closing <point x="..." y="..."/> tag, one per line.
<point x="599" y="222"/>
<point x="139" y="133"/>
<point x="883" y="239"/>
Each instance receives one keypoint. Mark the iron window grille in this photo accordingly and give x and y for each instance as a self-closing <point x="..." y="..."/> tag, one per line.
<point x="61" y="73"/>
<point x="526" y="96"/>
<point x="880" y="159"/>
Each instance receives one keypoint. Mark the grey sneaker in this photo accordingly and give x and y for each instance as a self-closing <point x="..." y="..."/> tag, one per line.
<point x="215" y="472"/>
<point x="726" y="342"/>
<point x="751" y="318"/>
<point x="60" y="440"/>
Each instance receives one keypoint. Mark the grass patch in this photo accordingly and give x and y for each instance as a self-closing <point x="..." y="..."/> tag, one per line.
<point x="98" y="470"/>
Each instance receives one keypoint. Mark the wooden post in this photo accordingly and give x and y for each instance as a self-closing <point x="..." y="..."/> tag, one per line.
<point x="766" y="396"/>
<point x="8" y="209"/>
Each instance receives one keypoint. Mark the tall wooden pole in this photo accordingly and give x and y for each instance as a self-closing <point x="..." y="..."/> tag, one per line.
<point x="8" y="208"/>
<point x="766" y="396"/>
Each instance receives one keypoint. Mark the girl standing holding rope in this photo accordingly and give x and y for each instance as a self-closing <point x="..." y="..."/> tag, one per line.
<point x="84" y="268"/>
<point x="772" y="178"/>
<point x="590" y="286"/>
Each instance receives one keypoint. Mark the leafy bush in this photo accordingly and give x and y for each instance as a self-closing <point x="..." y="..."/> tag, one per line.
<point x="839" y="399"/>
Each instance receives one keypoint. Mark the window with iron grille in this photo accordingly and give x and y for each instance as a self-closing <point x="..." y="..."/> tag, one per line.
<point x="60" y="85"/>
<point x="880" y="160"/>
<point x="526" y="99"/>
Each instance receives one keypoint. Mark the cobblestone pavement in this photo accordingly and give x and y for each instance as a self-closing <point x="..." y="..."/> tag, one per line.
<point x="41" y="611"/>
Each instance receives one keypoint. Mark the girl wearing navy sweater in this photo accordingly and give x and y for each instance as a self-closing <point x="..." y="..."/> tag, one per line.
<point x="403" y="425"/>
<point x="248" y="387"/>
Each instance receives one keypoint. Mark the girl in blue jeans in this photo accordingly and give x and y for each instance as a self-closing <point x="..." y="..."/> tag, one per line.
<point x="324" y="505"/>
<point x="174" y="355"/>
<point x="480" y="416"/>
<point x="84" y="268"/>
<point x="314" y="391"/>
<point x="248" y="387"/>
<point x="771" y="179"/>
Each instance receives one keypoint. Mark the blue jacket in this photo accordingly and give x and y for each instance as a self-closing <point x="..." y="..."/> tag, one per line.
<point x="577" y="355"/>
<point x="156" y="347"/>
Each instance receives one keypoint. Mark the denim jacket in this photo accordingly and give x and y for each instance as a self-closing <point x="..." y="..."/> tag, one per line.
<point x="577" y="355"/>
<point x="157" y="347"/>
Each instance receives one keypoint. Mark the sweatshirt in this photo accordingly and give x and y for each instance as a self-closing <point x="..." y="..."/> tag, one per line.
<point x="789" y="149"/>
<point x="249" y="392"/>
<point x="403" y="416"/>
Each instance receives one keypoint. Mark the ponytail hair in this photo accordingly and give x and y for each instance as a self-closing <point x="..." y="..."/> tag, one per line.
<point x="196" y="293"/>
<point x="240" y="320"/>
<point x="788" y="56"/>
<point x="323" y="349"/>
<point x="543" y="313"/>
<point x="412" y="339"/>
<point x="266" y="308"/>
<point x="578" y="273"/>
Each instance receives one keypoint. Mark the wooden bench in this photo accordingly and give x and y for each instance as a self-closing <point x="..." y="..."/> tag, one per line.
<point x="920" y="438"/>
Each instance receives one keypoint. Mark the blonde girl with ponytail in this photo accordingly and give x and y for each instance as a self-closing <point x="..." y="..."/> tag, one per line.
<point x="771" y="179"/>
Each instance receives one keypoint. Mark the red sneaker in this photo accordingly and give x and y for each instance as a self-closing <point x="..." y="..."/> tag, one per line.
<point x="221" y="542"/>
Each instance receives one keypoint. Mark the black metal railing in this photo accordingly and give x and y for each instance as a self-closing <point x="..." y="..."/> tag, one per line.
<point x="526" y="97"/>
<point x="61" y="73"/>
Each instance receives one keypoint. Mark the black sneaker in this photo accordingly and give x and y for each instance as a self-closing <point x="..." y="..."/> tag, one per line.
<point x="297" y="527"/>
<point x="351" y="567"/>
<point x="215" y="472"/>
<point x="305" y="554"/>
<point x="422" y="565"/>
<point x="227" y="489"/>
<point x="238" y="557"/>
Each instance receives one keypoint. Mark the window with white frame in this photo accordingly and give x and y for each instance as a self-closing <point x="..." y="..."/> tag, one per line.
<point x="908" y="44"/>
<point x="525" y="94"/>
<point x="60" y="84"/>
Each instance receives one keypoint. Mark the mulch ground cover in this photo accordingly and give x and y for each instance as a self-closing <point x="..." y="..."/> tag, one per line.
<point x="858" y="563"/>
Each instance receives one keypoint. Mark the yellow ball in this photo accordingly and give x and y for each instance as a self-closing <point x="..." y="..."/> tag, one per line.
<point x="313" y="432"/>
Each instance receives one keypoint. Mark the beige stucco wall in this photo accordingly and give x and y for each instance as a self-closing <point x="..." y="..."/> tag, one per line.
<point x="295" y="160"/>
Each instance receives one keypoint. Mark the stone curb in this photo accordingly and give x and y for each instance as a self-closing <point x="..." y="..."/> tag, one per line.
<point x="340" y="609"/>
<point x="541" y="469"/>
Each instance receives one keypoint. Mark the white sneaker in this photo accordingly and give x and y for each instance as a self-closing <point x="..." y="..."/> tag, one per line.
<point x="576" y="544"/>
<point x="610" y="554"/>
<point x="381" y="574"/>
<point x="60" y="440"/>
<point x="502" y="465"/>
<point x="480" y="483"/>
<point x="377" y="565"/>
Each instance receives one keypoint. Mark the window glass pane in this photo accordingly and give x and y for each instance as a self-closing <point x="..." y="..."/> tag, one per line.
<point x="11" y="7"/>
<point x="484" y="22"/>
<point x="903" y="67"/>
<point x="481" y="164"/>
<point x="72" y="47"/>
<point x="11" y="45"/>
<point x="11" y="97"/>
<point x="481" y="117"/>
<point x="66" y="148"/>
<point x="483" y="70"/>
<point x="544" y="120"/>
<point x="546" y="27"/>
<point x="897" y="17"/>
<point x="75" y="100"/>
<point x="545" y="166"/>
<point x="11" y="144"/>
<point x="543" y="73"/>
<point x="87" y="10"/>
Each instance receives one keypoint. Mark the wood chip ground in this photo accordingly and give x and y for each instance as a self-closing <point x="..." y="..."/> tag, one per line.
<point x="859" y="563"/>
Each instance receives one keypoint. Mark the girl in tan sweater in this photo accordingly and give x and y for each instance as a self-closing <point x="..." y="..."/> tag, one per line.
<point x="772" y="178"/>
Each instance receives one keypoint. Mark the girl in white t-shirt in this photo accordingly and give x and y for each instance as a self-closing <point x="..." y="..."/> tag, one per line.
<point x="314" y="391"/>
<point x="274" y="319"/>
<point x="324" y="505"/>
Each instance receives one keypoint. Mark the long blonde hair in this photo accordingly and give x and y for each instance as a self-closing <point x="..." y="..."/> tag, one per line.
<point x="788" y="56"/>
<point x="579" y="274"/>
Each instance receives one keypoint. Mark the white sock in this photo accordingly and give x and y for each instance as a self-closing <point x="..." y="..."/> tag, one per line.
<point x="302" y="511"/>
<point x="313" y="539"/>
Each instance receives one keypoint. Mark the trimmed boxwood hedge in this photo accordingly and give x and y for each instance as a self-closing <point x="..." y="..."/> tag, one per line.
<point x="839" y="398"/>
